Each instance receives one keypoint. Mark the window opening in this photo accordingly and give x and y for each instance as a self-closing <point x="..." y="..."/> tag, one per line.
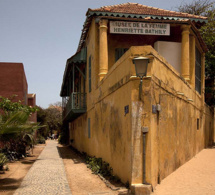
<point x="89" y="133"/>
<point x="90" y="74"/>
<point x="119" y="53"/>
<point x="198" y="68"/>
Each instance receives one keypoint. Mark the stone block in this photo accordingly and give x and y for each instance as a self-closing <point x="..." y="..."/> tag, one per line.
<point x="141" y="189"/>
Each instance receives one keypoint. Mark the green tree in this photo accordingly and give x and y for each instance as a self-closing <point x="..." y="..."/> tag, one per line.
<point x="198" y="7"/>
<point x="8" y="107"/>
<point x="54" y="118"/>
<point x="41" y="119"/>
<point x="205" y="8"/>
<point x="16" y="132"/>
<point x="51" y="117"/>
<point x="17" y="125"/>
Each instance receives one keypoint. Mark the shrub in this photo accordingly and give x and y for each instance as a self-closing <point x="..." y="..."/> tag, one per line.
<point x="41" y="140"/>
<point x="62" y="139"/>
<point x="98" y="166"/>
<point x="3" y="160"/>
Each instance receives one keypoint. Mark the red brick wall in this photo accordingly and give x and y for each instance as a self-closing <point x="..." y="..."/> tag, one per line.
<point x="13" y="81"/>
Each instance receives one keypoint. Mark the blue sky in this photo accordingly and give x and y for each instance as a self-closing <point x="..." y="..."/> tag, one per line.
<point x="43" y="34"/>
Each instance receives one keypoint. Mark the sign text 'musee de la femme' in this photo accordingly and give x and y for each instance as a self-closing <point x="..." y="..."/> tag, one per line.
<point x="139" y="28"/>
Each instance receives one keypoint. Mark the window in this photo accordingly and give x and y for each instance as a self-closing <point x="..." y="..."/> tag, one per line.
<point x="198" y="69"/>
<point x="197" y="123"/>
<point x="89" y="128"/>
<point x="119" y="52"/>
<point x="90" y="74"/>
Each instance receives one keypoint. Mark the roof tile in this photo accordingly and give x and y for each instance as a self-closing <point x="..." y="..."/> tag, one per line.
<point x="135" y="8"/>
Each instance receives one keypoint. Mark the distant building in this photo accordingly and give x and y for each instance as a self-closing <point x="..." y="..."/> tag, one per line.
<point x="32" y="103"/>
<point x="144" y="131"/>
<point x="13" y="83"/>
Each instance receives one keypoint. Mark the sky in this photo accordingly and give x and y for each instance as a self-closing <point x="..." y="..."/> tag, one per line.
<point x="43" y="34"/>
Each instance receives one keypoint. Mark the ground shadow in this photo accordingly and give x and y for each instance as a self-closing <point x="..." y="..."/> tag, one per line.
<point x="28" y="161"/>
<point x="9" y="184"/>
<point x="212" y="146"/>
<point x="67" y="152"/>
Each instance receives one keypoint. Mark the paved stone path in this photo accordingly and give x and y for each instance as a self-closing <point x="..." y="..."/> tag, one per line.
<point x="47" y="175"/>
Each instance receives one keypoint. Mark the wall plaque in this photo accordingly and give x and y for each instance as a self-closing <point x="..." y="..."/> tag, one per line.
<point x="139" y="28"/>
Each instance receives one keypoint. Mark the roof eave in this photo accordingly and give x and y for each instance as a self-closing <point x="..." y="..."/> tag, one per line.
<point x="142" y="16"/>
<point x="90" y="14"/>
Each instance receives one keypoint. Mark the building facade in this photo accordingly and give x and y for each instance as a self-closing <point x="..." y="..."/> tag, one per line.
<point x="13" y="81"/>
<point x="146" y="131"/>
<point x="32" y="103"/>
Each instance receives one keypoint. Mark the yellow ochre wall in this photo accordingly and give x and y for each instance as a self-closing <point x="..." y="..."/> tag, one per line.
<point x="173" y="137"/>
<point x="110" y="128"/>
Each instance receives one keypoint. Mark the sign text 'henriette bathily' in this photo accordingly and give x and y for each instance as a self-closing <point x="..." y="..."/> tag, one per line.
<point x="121" y="27"/>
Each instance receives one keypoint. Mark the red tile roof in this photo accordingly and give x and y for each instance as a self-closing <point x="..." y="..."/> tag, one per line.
<point x="135" y="8"/>
<point x="139" y="11"/>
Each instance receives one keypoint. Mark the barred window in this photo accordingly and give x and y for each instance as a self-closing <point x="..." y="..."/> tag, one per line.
<point x="198" y="68"/>
<point x="90" y="74"/>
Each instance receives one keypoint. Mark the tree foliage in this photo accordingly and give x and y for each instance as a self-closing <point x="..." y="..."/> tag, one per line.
<point x="198" y="7"/>
<point x="8" y="107"/>
<point x="51" y="117"/>
<point x="16" y="131"/>
<point x="17" y="125"/>
<point x="14" y="119"/>
<point x="208" y="34"/>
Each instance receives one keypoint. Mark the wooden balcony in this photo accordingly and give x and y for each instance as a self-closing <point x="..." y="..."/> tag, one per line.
<point x="74" y="106"/>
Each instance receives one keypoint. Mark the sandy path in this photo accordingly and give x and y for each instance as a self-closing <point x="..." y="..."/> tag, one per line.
<point x="196" y="177"/>
<point x="80" y="178"/>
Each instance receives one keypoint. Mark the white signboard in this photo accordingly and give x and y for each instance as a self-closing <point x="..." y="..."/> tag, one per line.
<point x="139" y="28"/>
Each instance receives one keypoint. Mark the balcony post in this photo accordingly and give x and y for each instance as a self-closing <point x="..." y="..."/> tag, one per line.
<point x="72" y="100"/>
<point x="185" y="58"/>
<point x="103" y="49"/>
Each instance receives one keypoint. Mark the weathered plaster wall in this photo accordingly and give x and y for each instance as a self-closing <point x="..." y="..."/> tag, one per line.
<point x="92" y="50"/>
<point x="173" y="137"/>
<point x="110" y="136"/>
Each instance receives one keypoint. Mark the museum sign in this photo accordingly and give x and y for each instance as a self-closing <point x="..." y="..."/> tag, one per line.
<point x="139" y="28"/>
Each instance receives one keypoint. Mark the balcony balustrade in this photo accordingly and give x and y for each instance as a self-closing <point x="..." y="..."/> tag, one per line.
<point x="74" y="105"/>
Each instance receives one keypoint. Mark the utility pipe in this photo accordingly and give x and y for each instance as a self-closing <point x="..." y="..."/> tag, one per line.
<point x="145" y="131"/>
<point x="144" y="158"/>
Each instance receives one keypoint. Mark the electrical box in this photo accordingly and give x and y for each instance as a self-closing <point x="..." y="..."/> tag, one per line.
<point x="158" y="107"/>
<point x="154" y="109"/>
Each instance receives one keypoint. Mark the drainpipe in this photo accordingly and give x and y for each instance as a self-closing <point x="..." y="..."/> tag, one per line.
<point x="144" y="131"/>
<point x="140" y="87"/>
